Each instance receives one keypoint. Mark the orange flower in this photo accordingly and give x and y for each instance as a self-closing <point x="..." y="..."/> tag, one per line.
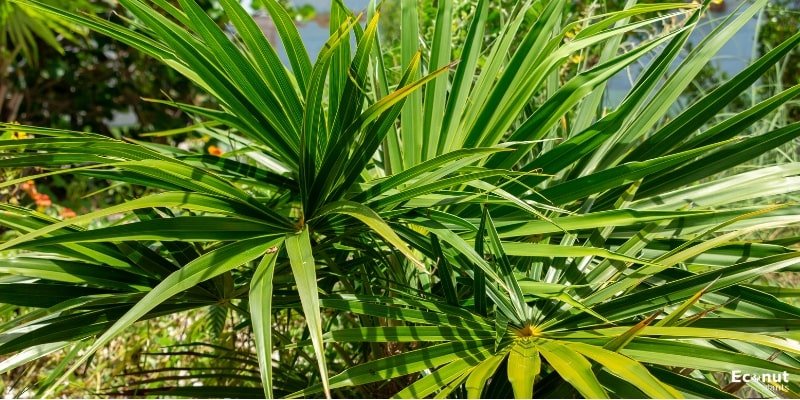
<point x="67" y="213"/>
<point x="43" y="200"/>
<point x="214" y="150"/>
<point x="29" y="187"/>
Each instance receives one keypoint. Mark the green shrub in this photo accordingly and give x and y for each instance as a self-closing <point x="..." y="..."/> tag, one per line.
<point x="470" y="230"/>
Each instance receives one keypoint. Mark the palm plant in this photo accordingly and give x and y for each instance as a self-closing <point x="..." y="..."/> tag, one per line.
<point x="476" y="228"/>
<point x="22" y="30"/>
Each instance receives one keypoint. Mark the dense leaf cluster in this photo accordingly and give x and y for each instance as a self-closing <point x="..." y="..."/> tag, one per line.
<point x="474" y="228"/>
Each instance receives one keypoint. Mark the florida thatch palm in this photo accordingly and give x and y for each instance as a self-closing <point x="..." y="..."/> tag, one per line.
<point x="492" y="224"/>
